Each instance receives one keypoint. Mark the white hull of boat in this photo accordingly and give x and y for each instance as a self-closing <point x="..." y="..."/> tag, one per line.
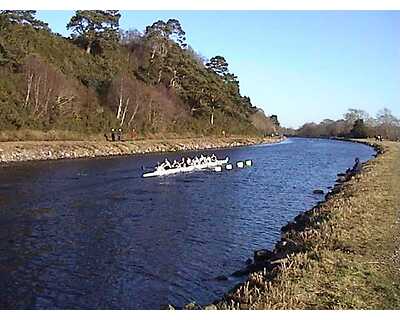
<point x="158" y="173"/>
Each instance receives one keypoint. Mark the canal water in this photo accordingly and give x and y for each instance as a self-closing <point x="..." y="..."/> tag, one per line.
<point x="93" y="234"/>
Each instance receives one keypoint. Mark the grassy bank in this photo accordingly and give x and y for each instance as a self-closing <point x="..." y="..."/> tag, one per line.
<point x="51" y="150"/>
<point x="343" y="254"/>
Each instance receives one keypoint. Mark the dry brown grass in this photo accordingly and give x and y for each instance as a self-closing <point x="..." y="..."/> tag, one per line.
<point x="350" y="259"/>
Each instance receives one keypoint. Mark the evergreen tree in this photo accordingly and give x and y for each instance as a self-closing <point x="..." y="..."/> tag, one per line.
<point x="166" y="41"/>
<point x="170" y="30"/>
<point x="95" y="26"/>
<point x="275" y="121"/>
<point x="359" y="129"/>
<point x="219" y="65"/>
<point x="22" y="17"/>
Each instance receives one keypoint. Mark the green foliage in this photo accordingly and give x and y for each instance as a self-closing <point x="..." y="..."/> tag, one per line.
<point x="359" y="129"/>
<point x="274" y="119"/>
<point x="170" y="30"/>
<point x="151" y="82"/>
<point x="95" y="27"/>
<point x="219" y="65"/>
<point x="22" y="17"/>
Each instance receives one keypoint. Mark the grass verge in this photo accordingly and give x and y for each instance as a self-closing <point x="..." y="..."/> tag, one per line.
<point x="342" y="254"/>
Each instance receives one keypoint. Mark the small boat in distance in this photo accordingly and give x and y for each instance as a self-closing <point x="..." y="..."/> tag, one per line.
<point x="186" y="165"/>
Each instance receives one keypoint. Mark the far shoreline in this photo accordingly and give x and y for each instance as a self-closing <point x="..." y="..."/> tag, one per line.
<point x="26" y="151"/>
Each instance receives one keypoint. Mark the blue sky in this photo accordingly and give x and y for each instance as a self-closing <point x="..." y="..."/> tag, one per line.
<point x="301" y="65"/>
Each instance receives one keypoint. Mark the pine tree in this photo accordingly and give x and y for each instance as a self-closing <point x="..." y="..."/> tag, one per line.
<point x="219" y="65"/>
<point x="95" y="26"/>
<point x="23" y="17"/>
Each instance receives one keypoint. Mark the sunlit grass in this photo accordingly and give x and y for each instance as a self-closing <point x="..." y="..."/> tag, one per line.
<point x="349" y="250"/>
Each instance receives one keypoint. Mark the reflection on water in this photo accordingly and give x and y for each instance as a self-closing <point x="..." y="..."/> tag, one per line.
<point x="93" y="234"/>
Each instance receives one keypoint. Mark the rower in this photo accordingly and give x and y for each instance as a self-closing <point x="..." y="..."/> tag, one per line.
<point x="213" y="157"/>
<point x="160" y="166"/>
<point x="167" y="164"/>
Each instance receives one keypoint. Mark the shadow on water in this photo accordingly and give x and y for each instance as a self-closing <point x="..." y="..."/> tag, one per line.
<point x="93" y="234"/>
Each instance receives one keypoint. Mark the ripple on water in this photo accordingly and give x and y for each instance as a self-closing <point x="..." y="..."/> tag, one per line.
<point x="93" y="234"/>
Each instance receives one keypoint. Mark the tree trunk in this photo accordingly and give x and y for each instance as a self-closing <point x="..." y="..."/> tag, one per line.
<point x="120" y="101"/>
<point x="159" y="76"/>
<point x="46" y="104"/>
<point x="28" y="92"/>
<point x="89" y="47"/>
<point x="134" y="114"/>
<point x="124" y="113"/>
<point x="37" y="94"/>
<point x="172" y="82"/>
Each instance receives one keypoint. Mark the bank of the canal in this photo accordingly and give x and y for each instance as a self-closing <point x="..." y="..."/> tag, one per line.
<point x="52" y="150"/>
<point x="342" y="254"/>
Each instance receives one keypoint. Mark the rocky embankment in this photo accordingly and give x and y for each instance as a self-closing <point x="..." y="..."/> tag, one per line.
<point x="52" y="150"/>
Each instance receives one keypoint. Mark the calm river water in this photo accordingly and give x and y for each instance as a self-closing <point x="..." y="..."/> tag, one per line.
<point x="93" y="234"/>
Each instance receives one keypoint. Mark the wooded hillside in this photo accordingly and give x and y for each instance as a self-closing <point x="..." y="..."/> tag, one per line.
<point x="102" y="77"/>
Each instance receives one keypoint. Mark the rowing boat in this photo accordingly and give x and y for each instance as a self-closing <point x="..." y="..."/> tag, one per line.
<point x="161" y="171"/>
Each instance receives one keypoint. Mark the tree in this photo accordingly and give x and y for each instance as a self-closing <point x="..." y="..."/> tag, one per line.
<point x="274" y="119"/>
<point x="170" y="30"/>
<point x="48" y="94"/>
<point x="95" y="26"/>
<point x="232" y="83"/>
<point x="23" y="17"/>
<point x="262" y="122"/>
<point x="130" y="37"/>
<point x="359" y="129"/>
<point x="387" y="124"/>
<point x="176" y="33"/>
<point x="309" y="129"/>
<point x="212" y="99"/>
<point x="219" y="65"/>
<point x="386" y="117"/>
<point x="165" y="39"/>
<point x="355" y="114"/>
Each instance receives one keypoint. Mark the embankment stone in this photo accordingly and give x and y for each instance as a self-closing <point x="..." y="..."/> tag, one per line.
<point x="39" y="150"/>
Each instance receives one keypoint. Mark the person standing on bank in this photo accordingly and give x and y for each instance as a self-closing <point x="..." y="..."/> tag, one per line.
<point x="119" y="134"/>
